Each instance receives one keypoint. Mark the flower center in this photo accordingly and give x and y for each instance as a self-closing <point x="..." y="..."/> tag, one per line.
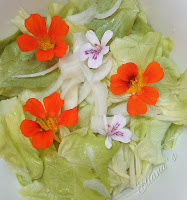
<point x="136" y="84"/>
<point x="46" y="43"/>
<point x="50" y="124"/>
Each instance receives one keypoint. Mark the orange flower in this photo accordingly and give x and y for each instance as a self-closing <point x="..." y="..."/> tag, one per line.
<point x="48" y="44"/>
<point x="45" y="128"/>
<point x="128" y="79"/>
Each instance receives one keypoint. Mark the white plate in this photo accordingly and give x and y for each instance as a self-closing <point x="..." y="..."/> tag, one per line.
<point x="166" y="16"/>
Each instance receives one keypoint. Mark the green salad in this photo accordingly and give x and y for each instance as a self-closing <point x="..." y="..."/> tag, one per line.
<point x="89" y="99"/>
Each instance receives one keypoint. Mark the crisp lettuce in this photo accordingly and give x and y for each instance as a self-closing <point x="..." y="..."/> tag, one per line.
<point x="65" y="176"/>
<point x="171" y="76"/>
<point x="15" y="62"/>
<point x="133" y="48"/>
<point x="174" y="103"/>
<point x="141" y="26"/>
<point x="171" y="136"/>
<point x="120" y="22"/>
<point x="7" y="41"/>
<point x="19" y="20"/>
<point x="149" y="149"/>
<point x="70" y="7"/>
<point x="15" y="148"/>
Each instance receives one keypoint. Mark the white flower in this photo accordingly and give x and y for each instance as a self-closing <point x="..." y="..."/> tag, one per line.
<point x="115" y="130"/>
<point x="95" y="50"/>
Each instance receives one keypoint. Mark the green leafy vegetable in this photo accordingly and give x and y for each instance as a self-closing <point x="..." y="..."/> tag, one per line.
<point x="69" y="8"/>
<point x="7" y="41"/>
<point x="171" y="76"/>
<point x="174" y="103"/>
<point x="149" y="149"/>
<point x="64" y="176"/>
<point x="19" y="20"/>
<point x="141" y="26"/>
<point x="171" y="136"/>
<point x="15" y="62"/>
<point x="15" y="148"/>
<point x="141" y="51"/>
<point x="120" y="22"/>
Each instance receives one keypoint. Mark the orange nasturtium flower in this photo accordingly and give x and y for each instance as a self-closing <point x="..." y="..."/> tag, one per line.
<point x="132" y="81"/>
<point x="45" y="128"/>
<point x="48" y="43"/>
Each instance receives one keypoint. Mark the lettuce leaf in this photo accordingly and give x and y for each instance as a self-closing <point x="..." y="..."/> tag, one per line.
<point x="120" y="22"/>
<point x="171" y="136"/>
<point x="174" y="103"/>
<point x="149" y="149"/>
<point x="141" y="26"/>
<point x="69" y="8"/>
<point x="133" y="48"/>
<point x="19" y="20"/>
<point x="8" y="40"/>
<point x="15" y="148"/>
<point x="65" y="175"/>
<point x="15" y="62"/>
<point x="171" y="76"/>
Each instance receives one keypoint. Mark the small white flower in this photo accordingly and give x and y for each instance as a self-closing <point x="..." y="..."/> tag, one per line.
<point x="115" y="130"/>
<point x="95" y="50"/>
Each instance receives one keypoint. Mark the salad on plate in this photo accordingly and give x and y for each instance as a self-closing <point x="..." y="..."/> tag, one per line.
<point x="89" y="99"/>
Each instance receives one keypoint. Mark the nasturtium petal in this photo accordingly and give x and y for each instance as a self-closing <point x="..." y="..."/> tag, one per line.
<point x="35" y="107"/>
<point x="149" y="95"/>
<point x="29" y="127"/>
<point x="53" y="104"/>
<point x="128" y="71"/>
<point x="153" y="73"/>
<point x="58" y="29"/>
<point x="43" y="55"/>
<point x="61" y="48"/>
<point x="27" y="42"/>
<point x="42" y="139"/>
<point x="68" y="117"/>
<point x="136" y="106"/>
<point x="36" y="25"/>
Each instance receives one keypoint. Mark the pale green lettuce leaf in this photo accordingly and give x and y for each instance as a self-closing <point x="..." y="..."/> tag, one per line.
<point x="120" y="22"/>
<point x="149" y="149"/>
<point x="141" y="26"/>
<point x="118" y="169"/>
<point x="171" y="136"/>
<point x="8" y="40"/>
<point x="140" y="50"/>
<point x="19" y="20"/>
<point x="140" y="126"/>
<point x="171" y="76"/>
<point x="174" y="103"/>
<point x="70" y="7"/>
<point x="85" y="114"/>
<point x="64" y="176"/>
<point x="15" y="148"/>
<point x="15" y="62"/>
